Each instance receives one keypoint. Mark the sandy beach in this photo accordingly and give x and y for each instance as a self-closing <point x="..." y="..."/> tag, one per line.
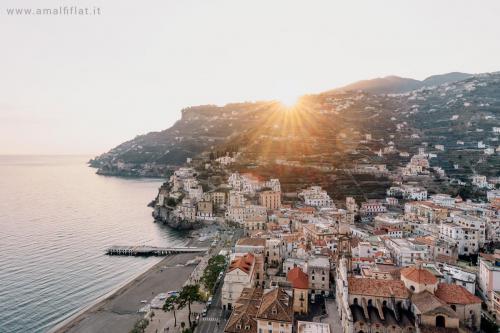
<point x="117" y="313"/>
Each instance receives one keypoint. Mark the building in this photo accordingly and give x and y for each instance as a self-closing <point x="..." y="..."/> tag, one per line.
<point x="245" y="309"/>
<point x="250" y="245"/>
<point x="419" y="279"/>
<point x="318" y="270"/>
<point x="312" y="327"/>
<point x="270" y="199"/>
<point x="406" y="253"/>
<point x="314" y="196"/>
<point x="467" y="233"/>
<point x="275" y="314"/>
<point x="315" y="232"/>
<point x="218" y="198"/>
<point x="480" y="181"/>
<point x="240" y="274"/>
<point x="205" y="210"/>
<point x="466" y="306"/>
<point x="300" y="284"/>
<point x="443" y="200"/>
<point x="489" y="276"/>
<point x="372" y="207"/>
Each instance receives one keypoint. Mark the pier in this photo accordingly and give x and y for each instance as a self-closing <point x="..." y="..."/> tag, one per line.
<point x="143" y="250"/>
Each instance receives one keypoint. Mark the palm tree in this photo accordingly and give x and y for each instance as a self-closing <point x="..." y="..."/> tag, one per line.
<point x="190" y="293"/>
<point x="170" y="304"/>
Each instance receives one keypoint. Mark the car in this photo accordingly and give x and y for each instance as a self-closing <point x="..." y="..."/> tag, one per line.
<point x="209" y="302"/>
<point x="144" y="301"/>
<point x="204" y="312"/>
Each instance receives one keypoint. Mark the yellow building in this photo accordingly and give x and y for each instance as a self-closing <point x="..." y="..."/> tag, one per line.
<point x="270" y="199"/>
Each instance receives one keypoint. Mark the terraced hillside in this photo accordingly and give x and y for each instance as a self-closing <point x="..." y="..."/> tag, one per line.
<point x="332" y="131"/>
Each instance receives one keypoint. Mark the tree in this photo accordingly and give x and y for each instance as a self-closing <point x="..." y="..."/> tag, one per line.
<point x="215" y="265"/>
<point x="189" y="293"/>
<point x="170" y="305"/>
<point x="140" y="326"/>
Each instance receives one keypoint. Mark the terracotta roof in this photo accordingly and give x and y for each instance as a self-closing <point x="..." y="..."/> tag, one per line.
<point x="426" y="303"/>
<point x="298" y="278"/>
<point x="424" y="240"/>
<point x="242" y="318"/>
<point x="374" y="287"/>
<point x="276" y="305"/>
<point x="244" y="263"/>
<point x="446" y="259"/>
<point x="419" y="275"/>
<point x="251" y="241"/>
<point x="455" y="294"/>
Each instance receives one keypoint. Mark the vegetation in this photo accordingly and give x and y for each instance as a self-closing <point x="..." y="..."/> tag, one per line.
<point x="140" y="326"/>
<point x="190" y="293"/>
<point x="216" y="264"/>
<point x="171" y="303"/>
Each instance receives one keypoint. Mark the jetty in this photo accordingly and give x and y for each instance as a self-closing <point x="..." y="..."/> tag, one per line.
<point x="146" y="251"/>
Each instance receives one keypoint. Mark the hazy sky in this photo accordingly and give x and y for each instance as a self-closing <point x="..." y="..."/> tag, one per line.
<point x="85" y="84"/>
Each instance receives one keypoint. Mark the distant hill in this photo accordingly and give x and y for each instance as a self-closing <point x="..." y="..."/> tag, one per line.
<point x="385" y="85"/>
<point x="395" y="84"/>
<point x="436" y="80"/>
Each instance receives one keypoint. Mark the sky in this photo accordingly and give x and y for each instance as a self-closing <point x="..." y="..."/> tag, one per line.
<point x="84" y="84"/>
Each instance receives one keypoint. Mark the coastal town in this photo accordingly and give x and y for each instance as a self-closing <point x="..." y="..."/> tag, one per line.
<point x="348" y="212"/>
<point x="283" y="262"/>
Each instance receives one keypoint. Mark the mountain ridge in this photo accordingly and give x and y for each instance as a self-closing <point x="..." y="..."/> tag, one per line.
<point x="393" y="84"/>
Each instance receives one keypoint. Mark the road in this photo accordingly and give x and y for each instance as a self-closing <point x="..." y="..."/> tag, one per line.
<point x="215" y="320"/>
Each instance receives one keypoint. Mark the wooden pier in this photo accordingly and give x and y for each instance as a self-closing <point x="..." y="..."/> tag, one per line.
<point x="146" y="251"/>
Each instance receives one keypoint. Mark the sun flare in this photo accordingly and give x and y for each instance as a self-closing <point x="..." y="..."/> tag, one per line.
<point x="289" y="101"/>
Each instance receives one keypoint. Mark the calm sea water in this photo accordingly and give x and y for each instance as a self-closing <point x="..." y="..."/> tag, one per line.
<point x="56" y="219"/>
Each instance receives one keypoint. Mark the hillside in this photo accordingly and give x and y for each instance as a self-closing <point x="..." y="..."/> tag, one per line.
<point x="329" y="131"/>
<point x="396" y="84"/>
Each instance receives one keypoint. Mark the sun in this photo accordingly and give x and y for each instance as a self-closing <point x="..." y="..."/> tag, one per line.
<point x="289" y="101"/>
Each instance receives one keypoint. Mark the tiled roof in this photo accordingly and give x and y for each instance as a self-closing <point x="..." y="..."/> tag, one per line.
<point x="298" y="278"/>
<point x="426" y="302"/>
<point x="446" y="259"/>
<point x="244" y="263"/>
<point x="419" y="275"/>
<point x="251" y="242"/>
<point x="276" y="305"/>
<point x="374" y="287"/>
<point x="242" y="318"/>
<point x="455" y="294"/>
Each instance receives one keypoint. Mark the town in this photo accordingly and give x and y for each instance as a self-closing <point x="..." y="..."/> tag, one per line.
<point x="283" y="262"/>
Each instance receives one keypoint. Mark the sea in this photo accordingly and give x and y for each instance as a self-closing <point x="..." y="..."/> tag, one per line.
<point x="57" y="217"/>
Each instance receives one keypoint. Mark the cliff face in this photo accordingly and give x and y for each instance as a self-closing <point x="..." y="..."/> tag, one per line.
<point x="164" y="215"/>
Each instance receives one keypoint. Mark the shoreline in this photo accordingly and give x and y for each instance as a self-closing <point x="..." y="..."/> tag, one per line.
<point x="67" y="323"/>
<point x="109" y="304"/>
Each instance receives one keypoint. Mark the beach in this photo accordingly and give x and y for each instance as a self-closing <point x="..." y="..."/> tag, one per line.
<point x="117" y="312"/>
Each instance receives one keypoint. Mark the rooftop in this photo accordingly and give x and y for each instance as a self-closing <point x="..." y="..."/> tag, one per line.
<point x="419" y="275"/>
<point x="455" y="294"/>
<point x="374" y="287"/>
<point x="298" y="278"/>
<point x="251" y="242"/>
<point x="311" y="327"/>
<point x="244" y="263"/>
